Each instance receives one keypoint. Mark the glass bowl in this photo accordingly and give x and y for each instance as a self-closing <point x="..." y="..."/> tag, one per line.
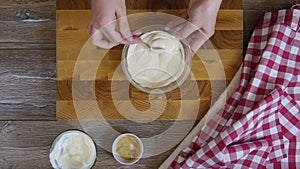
<point x="67" y="141"/>
<point x="172" y="83"/>
<point x="115" y="149"/>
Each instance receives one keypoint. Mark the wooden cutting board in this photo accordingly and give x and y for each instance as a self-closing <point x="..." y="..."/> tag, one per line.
<point x="72" y="35"/>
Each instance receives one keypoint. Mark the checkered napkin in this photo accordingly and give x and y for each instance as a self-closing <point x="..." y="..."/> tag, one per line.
<point x="259" y="126"/>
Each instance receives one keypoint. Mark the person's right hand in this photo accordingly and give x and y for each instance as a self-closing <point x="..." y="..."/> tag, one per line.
<point x="109" y="26"/>
<point x="197" y="23"/>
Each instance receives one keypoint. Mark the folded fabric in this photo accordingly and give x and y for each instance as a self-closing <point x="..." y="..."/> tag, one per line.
<point x="259" y="126"/>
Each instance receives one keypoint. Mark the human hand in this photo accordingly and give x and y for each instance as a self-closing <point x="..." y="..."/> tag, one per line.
<point x="198" y="23"/>
<point x="109" y="25"/>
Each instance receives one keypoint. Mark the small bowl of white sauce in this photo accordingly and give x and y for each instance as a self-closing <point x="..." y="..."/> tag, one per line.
<point x="159" y="69"/>
<point x="72" y="149"/>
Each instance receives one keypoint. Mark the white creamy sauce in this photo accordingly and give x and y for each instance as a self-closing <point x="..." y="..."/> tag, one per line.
<point x="157" y="67"/>
<point x="73" y="150"/>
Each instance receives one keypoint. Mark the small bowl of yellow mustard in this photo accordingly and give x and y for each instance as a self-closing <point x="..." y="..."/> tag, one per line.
<point x="127" y="149"/>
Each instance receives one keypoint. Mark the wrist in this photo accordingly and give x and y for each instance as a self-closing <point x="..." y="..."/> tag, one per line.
<point x="216" y="3"/>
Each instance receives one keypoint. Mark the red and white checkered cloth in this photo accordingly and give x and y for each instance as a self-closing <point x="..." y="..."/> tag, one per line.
<point x="259" y="126"/>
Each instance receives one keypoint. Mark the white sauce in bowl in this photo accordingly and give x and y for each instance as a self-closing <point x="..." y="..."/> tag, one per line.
<point x="155" y="68"/>
<point x="73" y="150"/>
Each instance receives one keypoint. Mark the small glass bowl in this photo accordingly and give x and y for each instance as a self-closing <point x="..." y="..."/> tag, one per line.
<point x="93" y="149"/>
<point x="171" y="86"/>
<point x="116" y="155"/>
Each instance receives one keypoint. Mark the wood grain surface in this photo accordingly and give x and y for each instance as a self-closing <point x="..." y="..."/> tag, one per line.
<point x="72" y="36"/>
<point x="254" y="10"/>
<point x="26" y="144"/>
<point x="28" y="61"/>
<point x="33" y="21"/>
<point x="28" y="80"/>
<point x="145" y="4"/>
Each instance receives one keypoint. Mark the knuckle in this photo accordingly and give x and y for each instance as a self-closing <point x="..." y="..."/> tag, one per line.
<point x="181" y="35"/>
<point x="122" y="10"/>
<point x="207" y="32"/>
<point x="126" y="33"/>
<point x="102" y="24"/>
<point x="210" y="32"/>
<point x="94" y="42"/>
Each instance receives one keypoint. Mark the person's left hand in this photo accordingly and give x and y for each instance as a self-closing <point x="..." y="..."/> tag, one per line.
<point x="198" y="23"/>
<point x="109" y="26"/>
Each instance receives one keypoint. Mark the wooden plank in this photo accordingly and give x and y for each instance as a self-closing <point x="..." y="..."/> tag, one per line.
<point x="65" y="54"/>
<point x="70" y="43"/>
<point x="28" y="81"/>
<point x="12" y="10"/>
<point x="29" y="46"/>
<point x="109" y="111"/>
<point x="227" y="39"/>
<point x="27" y="99"/>
<point x="207" y="89"/>
<point x="210" y="61"/>
<point x="145" y="4"/>
<point x="201" y="69"/>
<point x="28" y="32"/>
<point x="140" y="101"/>
<point x="266" y="5"/>
<point x="157" y="4"/>
<point x="232" y="4"/>
<point x="73" y="4"/>
<point x="77" y="20"/>
<point x="24" y="145"/>
<point x="254" y="10"/>
<point x="34" y="64"/>
<point x="130" y="4"/>
<point x="33" y="21"/>
<point x="104" y="89"/>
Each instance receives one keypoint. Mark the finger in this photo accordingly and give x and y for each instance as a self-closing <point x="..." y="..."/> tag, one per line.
<point x="136" y="35"/>
<point x="104" y="44"/>
<point x="137" y="32"/>
<point x="135" y="40"/>
<point x="187" y="30"/>
<point x="179" y="27"/>
<point x="124" y="28"/>
<point x="196" y="40"/>
<point x="111" y="33"/>
<point x="97" y="40"/>
<point x="95" y="35"/>
<point x="89" y="28"/>
<point x="113" y="36"/>
<point x="185" y="15"/>
<point x="175" y="31"/>
<point x="178" y="20"/>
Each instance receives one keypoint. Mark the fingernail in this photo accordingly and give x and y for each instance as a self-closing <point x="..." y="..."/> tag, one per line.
<point x="137" y="32"/>
<point x="130" y="38"/>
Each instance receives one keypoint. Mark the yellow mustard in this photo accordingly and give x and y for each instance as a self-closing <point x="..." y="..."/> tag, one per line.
<point x="128" y="148"/>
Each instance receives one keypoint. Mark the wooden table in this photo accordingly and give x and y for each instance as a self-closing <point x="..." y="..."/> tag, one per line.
<point x="28" y="80"/>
